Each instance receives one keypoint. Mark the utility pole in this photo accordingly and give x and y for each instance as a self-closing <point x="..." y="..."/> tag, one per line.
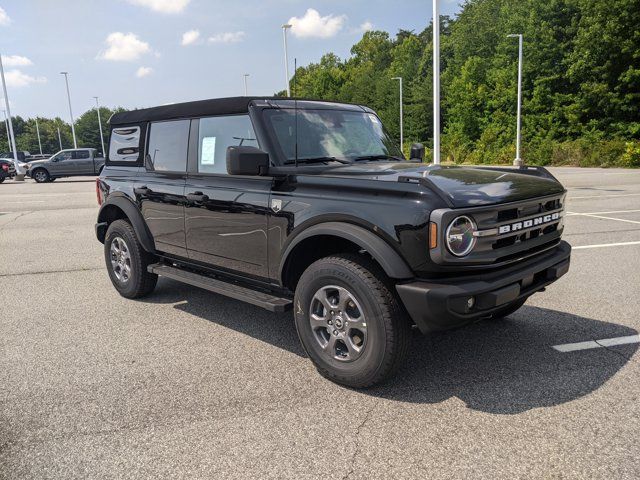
<point x="285" y="27"/>
<point x="436" y="83"/>
<point x="38" y="132"/>
<point x="6" y="124"/>
<point x="59" y="138"/>
<point x="245" y="83"/>
<point x="518" y="160"/>
<point x="19" y="173"/>
<point x="401" y="116"/>
<point x="73" y="128"/>
<point x="104" y="153"/>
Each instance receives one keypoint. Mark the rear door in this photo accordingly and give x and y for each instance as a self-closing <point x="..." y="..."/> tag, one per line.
<point x="159" y="188"/>
<point x="83" y="162"/>
<point x="226" y="216"/>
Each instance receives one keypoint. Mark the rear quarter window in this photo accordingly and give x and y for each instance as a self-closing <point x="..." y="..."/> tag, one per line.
<point x="125" y="144"/>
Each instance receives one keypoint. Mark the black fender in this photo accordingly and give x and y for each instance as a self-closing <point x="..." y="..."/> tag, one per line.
<point x="134" y="216"/>
<point x="383" y="253"/>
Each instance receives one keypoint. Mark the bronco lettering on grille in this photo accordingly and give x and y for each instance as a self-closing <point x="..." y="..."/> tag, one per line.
<point x="532" y="222"/>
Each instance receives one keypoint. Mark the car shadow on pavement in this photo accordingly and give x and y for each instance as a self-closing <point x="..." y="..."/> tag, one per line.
<point x="503" y="367"/>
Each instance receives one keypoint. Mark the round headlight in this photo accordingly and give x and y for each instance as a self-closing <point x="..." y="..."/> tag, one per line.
<point x="460" y="239"/>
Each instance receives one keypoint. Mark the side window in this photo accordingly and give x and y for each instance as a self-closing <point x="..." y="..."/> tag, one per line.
<point x="63" y="156"/>
<point x="125" y="144"/>
<point x="81" y="154"/>
<point x="168" y="142"/>
<point x="218" y="133"/>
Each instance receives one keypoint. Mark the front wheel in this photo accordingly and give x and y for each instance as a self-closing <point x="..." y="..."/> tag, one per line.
<point x="127" y="261"/>
<point x="350" y="322"/>
<point x="40" y="175"/>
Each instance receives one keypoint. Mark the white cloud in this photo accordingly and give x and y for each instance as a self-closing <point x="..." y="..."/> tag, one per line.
<point x="190" y="37"/>
<point x="162" y="6"/>
<point x="4" y="18"/>
<point x="365" y="26"/>
<point x="16" y="61"/>
<point x="124" y="47"/>
<point x="144" y="71"/>
<point x="313" y="25"/>
<point x="227" y="37"/>
<point x="16" y="78"/>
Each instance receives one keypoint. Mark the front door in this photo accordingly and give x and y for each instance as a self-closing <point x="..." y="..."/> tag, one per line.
<point x="226" y="216"/>
<point x="160" y="188"/>
<point x="62" y="164"/>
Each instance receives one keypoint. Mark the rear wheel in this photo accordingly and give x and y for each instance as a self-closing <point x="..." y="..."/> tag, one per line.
<point x="127" y="261"/>
<point x="40" y="175"/>
<point x="350" y="322"/>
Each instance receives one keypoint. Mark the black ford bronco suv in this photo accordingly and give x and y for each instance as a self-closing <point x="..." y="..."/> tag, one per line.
<point x="310" y="205"/>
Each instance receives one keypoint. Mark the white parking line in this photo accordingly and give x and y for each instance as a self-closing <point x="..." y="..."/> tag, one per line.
<point x="603" y="213"/>
<point x="608" y="218"/>
<point x="606" y="196"/>
<point x="605" y="342"/>
<point x="602" y="245"/>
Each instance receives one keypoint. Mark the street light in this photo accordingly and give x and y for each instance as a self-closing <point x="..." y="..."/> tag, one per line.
<point x="100" y="127"/>
<point x="6" y="124"/>
<point x="38" y="132"/>
<point x="401" y="126"/>
<point x="19" y="173"/>
<point x="73" y="128"/>
<point x="244" y="76"/>
<point x="518" y="161"/>
<point x="436" y="83"/>
<point x="285" y="27"/>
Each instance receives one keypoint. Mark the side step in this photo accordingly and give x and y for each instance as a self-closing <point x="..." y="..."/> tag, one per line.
<point x="232" y="290"/>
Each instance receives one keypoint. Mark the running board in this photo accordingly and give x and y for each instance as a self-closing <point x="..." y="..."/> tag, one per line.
<point x="228" y="289"/>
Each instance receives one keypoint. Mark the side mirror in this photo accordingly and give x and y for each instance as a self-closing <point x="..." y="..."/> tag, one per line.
<point x="243" y="160"/>
<point x="417" y="152"/>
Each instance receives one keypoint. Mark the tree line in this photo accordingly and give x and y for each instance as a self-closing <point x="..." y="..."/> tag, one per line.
<point x="581" y="84"/>
<point x="581" y="81"/>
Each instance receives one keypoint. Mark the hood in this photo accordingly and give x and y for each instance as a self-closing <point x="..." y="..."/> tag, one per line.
<point x="464" y="186"/>
<point x="38" y="162"/>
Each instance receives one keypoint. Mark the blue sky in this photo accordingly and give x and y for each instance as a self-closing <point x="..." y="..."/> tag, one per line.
<point x="139" y="53"/>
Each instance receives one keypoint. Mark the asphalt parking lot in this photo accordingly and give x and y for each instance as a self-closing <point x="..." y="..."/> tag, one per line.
<point x="190" y="384"/>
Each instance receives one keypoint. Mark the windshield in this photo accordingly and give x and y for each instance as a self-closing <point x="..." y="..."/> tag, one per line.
<point x="337" y="134"/>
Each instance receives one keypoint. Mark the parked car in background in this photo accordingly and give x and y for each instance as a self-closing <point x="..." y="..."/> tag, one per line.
<point x="7" y="169"/>
<point x="66" y="163"/>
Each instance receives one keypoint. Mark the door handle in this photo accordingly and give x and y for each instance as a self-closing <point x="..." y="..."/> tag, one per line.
<point x="197" y="197"/>
<point x="142" y="191"/>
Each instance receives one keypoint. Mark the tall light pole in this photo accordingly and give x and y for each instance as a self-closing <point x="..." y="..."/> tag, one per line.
<point x="38" y="132"/>
<point x="518" y="161"/>
<point x="60" y="139"/>
<point x="436" y="83"/>
<point x="100" y="127"/>
<point x="244" y="76"/>
<point x="19" y="173"/>
<point x="401" y="120"/>
<point x="285" y="27"/>
<point x="6" y="124"/>
<point x="73" y="128"/>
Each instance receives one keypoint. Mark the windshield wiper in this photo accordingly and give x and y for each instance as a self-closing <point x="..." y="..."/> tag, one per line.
<point x="376" y="157"/>
<point x="317" y="160"/>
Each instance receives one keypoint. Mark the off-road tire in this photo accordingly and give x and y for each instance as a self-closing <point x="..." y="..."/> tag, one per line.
<point x="508" y="309"/>
<point x="388" y="327"/>
<point x="140" y="282"/>
<point x="40" y="175"/>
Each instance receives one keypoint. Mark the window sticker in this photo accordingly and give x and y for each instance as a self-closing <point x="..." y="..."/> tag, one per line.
<point x="208" y="151"/>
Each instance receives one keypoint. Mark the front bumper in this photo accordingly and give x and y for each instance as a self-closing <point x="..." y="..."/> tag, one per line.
<point x="440" y="305"/>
